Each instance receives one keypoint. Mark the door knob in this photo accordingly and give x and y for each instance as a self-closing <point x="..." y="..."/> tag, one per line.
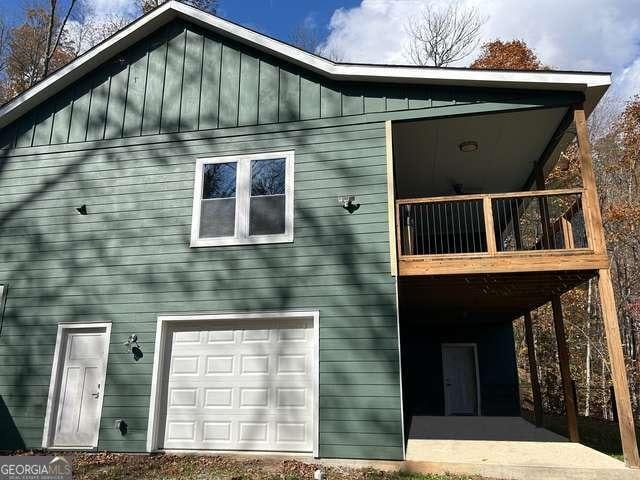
<point x="97" y="394"/>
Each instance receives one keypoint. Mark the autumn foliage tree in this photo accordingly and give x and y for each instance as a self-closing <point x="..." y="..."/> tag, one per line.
<point x="508" y="55"/>
<point x="28" y="58"/>
<point x="146" y="6"/>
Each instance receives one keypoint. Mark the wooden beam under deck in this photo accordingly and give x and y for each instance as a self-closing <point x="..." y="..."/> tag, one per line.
<point x="502" y="296"/>
<point x="504" y="262"/>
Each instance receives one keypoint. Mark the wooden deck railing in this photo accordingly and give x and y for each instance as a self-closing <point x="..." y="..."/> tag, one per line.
<point x="492" y="224"/>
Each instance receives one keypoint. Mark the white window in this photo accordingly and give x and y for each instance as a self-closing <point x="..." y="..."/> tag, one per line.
<point x="243" y="199"/>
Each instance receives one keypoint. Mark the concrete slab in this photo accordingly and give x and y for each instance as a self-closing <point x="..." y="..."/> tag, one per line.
<point x="479" y="428"/>
<point x="505" y="448"/>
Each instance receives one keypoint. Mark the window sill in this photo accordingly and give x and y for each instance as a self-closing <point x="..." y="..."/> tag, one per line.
<point x="229" y="241"/>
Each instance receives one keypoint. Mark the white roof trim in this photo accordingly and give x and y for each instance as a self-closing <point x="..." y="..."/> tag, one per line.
<point x="592" y="84"/>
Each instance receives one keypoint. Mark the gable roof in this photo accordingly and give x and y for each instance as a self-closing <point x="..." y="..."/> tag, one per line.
<point x="592" y="84"/>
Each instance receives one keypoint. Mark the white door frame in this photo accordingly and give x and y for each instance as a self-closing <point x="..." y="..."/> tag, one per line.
<point x="160" y="364"/>
<point x="56" y="376"/>
<point x="474" y="346"/>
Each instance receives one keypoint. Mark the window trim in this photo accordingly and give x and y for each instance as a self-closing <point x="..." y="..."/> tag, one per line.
<point x="243" y="196"/>
<point x="4" y="288"/>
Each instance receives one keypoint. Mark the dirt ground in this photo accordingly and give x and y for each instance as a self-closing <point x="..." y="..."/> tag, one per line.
<point x="116" y="466"/>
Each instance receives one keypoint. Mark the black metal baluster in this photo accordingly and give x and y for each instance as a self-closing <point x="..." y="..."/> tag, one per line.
<point x="459" y="226"/>
<point x="503" y="232"/>
<point x="479" y="221"/>
<point x="422" y="251"/>
<point x="446" y="219"/>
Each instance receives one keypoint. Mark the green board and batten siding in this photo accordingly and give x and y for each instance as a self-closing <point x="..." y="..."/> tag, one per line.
<point x="182" y="79"/>
<point x="119" y="142"/>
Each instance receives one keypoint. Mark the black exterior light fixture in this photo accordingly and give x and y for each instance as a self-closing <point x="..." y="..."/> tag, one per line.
<point x="348" y="202"/>
<point x="82" y="210"/>
<point x="133" y="347"/>
<point x="468" y="146"/>
<point x="121" y="426"/>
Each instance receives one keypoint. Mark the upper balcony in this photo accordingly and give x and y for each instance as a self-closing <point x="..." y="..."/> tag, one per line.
<point x="485" y="210"/>
<point x="529" y="231"/>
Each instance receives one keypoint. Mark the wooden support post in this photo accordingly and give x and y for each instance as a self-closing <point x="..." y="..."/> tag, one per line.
<point x="567" y="233"/>
<point x="618" y="369"/>
<point x="565" y="370"/>
<point x="533" y="370"/>
<point x="488" y="225"/>
<point x="592" y="213"/>
<point x="597" y="241"/>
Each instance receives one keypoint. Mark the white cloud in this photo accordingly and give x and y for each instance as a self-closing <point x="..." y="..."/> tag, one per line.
<point x="566" y="34"/>
<point x="107" y="8"/>
<point x="626" y="83"/>
<point x="96" y="19"/>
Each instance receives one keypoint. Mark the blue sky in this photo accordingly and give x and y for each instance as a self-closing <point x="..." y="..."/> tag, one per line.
<point x="277" y="17"/>
<point x="597" y="35"/>
<point x="273" y="17"/>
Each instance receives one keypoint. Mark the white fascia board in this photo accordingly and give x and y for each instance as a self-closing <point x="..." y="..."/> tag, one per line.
<point x="592" y="84"/>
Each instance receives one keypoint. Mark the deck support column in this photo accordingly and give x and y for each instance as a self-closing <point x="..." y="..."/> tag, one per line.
<point x="618" y="369"/>
<point x="595" y="231"/>
<point x="533" y="370"/>
<point x="565" y="370"/>
<point x="592" y="213"/>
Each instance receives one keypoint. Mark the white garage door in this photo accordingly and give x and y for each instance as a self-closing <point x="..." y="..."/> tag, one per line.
<point x="241" y="385"/>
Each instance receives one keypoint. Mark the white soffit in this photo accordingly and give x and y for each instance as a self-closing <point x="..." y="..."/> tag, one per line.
<point x="593" y="84"/>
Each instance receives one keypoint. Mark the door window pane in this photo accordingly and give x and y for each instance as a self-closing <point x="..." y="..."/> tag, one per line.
<point x="218" y="209"/>
<point x="267" y="205"/>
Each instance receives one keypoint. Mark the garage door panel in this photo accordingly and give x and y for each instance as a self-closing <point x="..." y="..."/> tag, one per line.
<point x="241" y="386"/>
<point x="238" y="434"/>
<point x="256" y="348"/>
<point x="287" y="396"/>
<point x="279" y="418"/>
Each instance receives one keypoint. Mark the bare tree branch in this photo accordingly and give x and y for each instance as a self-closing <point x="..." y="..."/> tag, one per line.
<point x="51" y="48"/>
<point x="440" y="37"/>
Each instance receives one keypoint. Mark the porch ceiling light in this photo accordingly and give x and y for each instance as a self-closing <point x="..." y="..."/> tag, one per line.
<point x="468" y="146"/>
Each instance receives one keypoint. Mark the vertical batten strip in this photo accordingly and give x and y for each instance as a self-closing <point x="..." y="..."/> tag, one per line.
<point x="248" y="93"/>
<point x="116" y="103"/>
<point x="230" y="85"/>
<point x="136" y="92"/>
<point x="154" y="90"/>
<point x="190" y="95"/>
<point x="210" y="91"/>
<point x="172" y="90"/>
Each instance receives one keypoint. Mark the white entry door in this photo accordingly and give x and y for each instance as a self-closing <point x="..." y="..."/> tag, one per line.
<point x="241" y="385"/>
<point x="80" y="388"/>
<point x="460" y="375"/>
